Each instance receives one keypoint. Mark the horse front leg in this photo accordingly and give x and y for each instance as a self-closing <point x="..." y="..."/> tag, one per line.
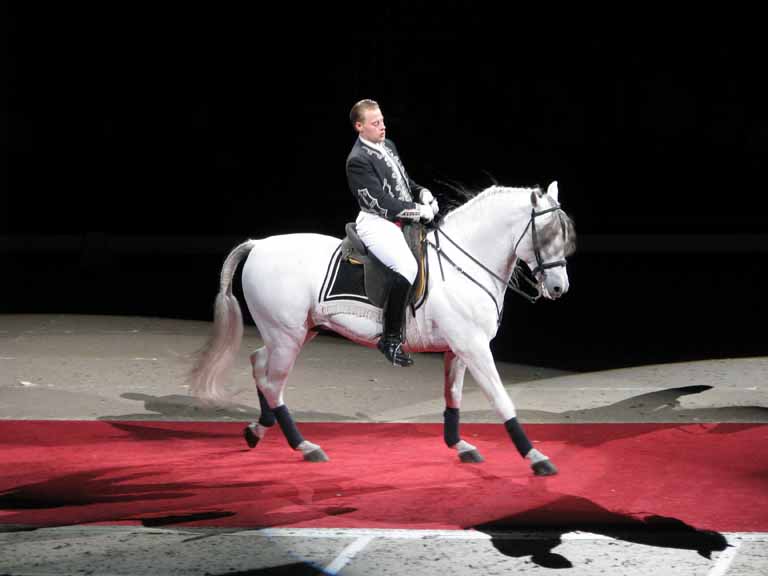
<point x="455" y="369"/>
<point x="479" y="359"/>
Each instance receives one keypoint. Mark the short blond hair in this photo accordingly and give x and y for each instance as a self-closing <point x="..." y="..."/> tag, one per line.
<point x="357" y="114"/>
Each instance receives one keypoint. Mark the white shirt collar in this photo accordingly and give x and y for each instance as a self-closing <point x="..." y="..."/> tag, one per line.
<point x="372" y="144"/>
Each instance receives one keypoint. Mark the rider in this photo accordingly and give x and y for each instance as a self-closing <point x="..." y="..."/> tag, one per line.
<point x="386" y="193"/>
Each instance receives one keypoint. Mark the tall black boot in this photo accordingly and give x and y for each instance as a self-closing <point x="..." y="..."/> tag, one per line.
<point x="391" y="340"/>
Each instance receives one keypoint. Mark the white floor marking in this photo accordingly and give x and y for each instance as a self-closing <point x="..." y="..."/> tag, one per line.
<point x="724" y="560"/>
<point x="347" y="554"/>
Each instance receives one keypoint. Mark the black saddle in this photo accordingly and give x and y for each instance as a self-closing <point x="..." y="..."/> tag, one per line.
<point x="376" y="275"/>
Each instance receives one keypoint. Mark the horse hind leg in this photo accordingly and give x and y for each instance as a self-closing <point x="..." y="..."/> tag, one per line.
<point x="271" y="368"/>
<point x="255" y="431"/>
<point x="454" y="384"/>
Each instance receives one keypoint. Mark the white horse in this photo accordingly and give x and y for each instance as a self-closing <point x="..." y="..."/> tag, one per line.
<point x="472" y="258"/>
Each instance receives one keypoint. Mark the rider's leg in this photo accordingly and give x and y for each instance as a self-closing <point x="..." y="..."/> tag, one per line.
<point x="390" y="343"/>
<point x="386" y="241"/>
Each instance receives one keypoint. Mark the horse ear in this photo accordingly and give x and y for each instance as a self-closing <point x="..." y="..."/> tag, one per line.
<point x="552" y="190"/>
<point x="534" y="199"/>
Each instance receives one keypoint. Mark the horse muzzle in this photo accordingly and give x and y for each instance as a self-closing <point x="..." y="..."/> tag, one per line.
<point x="554" y="286"/>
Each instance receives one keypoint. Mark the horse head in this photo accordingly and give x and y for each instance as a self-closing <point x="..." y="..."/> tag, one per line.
<point x="550" y="241"/>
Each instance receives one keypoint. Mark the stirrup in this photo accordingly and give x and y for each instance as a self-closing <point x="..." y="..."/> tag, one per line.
<point x="393" y="351"/>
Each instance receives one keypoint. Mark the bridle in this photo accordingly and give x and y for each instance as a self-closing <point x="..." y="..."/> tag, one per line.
<point x="541" y="266"/>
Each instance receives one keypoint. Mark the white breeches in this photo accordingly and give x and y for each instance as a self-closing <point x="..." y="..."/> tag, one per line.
<point x="386" y="241"/>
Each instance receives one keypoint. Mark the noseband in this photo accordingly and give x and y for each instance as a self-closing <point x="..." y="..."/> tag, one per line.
<point x="541" y="266"/>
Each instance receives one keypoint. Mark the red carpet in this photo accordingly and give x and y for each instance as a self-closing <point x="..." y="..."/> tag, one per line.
<point x="708" y="476"/>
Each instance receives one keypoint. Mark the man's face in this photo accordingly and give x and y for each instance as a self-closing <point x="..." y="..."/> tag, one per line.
<point x="372" y="127"/>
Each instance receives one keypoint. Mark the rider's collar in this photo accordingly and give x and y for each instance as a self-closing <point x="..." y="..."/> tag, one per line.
<point x="372" y="144"/>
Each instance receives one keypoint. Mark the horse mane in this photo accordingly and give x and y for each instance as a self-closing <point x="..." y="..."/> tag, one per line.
<point x="455" y="195"/>
<point x="452" y="195"/>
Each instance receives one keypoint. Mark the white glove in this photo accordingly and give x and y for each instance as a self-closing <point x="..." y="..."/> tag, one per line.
<point x="425" y="212"/>
<point x="429" y="200"/>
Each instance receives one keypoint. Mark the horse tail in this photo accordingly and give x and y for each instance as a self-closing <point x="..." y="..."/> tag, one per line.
<point x="215" y="358"/>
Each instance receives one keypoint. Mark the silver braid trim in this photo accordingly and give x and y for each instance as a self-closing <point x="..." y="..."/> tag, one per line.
<point x="369" y="203"/>
<point x="410" y="214"/>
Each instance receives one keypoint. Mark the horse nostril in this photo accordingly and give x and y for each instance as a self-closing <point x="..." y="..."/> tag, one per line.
<point x="557" y="289"/>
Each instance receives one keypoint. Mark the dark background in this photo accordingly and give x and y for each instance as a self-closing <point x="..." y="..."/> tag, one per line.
<point x="144" y="142"/>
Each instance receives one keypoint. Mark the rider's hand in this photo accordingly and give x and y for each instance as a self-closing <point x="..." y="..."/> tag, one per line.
<point x="428" y="199"/>
<point x="426" y="212"/>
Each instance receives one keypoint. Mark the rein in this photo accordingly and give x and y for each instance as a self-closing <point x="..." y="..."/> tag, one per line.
<point x="541" y="265"/>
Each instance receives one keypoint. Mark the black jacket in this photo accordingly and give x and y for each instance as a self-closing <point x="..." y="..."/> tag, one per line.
<point x="374" y="182"/>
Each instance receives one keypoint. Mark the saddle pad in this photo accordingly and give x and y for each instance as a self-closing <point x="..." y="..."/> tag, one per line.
<point x="343" y="281"/>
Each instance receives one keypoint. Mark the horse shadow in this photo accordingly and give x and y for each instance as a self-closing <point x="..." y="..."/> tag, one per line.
<point x="183" y="406"/>
<point x="660" y="406"/>
<point x="179" y="406"/>
<point x="111" y="493"/>
<point x="574" y="513"/>
<point x="657" y="406"/>
<point x="127" y="493"/>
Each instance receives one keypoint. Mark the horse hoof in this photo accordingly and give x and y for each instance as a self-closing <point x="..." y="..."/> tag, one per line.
<point x="471" y="457"/>
<point x="544" y="468"/>
<point x="316" y="456"/>
<point x="250" y="438"/>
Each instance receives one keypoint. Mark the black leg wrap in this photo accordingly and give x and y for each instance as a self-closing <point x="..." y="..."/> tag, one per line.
<point x="451" y="426"/>
<point x="267" y="418"/>
<point x="288" y="426"/>
<point x="515" y="432"/>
